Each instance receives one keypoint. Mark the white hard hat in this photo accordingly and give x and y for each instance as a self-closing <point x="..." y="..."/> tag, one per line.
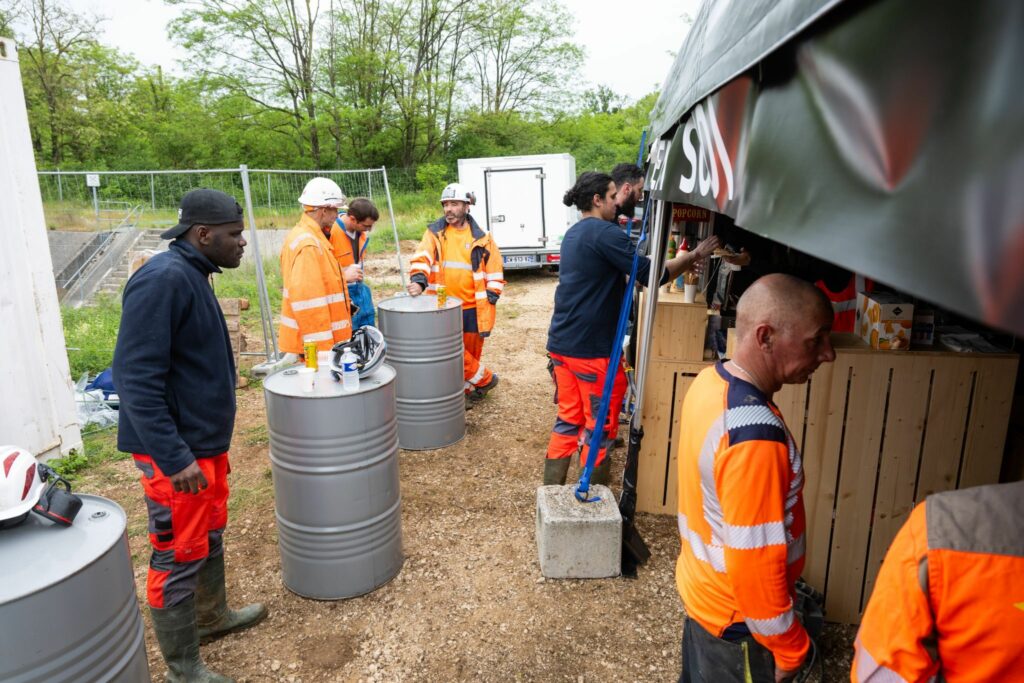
<point x="459" y="193"/>
<point x="21" y="482"/>
<point x="322" y="192"/>
<point x="369" y="347"/>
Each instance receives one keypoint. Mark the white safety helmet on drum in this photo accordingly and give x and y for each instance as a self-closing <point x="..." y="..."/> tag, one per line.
<point x="21" y="482"/>
<point x="369" y="347"/>
<point x="322" y="192"/>
<point x="457" y="192"/>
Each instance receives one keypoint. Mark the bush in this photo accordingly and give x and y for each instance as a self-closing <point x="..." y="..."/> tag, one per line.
<point x="90" y="333"/>
<point x="432" y="177"/>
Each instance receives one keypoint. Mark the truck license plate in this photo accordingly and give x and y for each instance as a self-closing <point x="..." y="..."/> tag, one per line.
<point x="527" y="260"/>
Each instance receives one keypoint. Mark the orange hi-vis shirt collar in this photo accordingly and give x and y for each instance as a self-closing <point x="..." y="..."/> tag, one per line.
<point x="741" y="514"/>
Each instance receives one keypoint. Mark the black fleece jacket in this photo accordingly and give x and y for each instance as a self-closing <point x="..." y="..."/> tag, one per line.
<point x="173" y="366"/>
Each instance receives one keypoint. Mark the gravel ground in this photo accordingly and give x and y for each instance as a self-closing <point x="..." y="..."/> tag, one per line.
<point x="470" y="603"/>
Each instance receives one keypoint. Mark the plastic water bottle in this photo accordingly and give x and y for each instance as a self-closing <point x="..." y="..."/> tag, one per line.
<point x="349" y="373"/>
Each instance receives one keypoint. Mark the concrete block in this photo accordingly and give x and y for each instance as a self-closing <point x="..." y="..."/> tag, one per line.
<point x="578" y="540"/>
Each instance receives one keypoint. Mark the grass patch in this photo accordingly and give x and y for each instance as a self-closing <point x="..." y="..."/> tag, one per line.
<point x="90" y="333"/>
<point x="98" y="447"/>
<point x="256" y="436"/>
<point x="510" y="311"/>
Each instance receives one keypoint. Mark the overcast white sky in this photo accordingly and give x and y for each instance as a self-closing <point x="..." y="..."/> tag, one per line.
<point x="628" y="42"/>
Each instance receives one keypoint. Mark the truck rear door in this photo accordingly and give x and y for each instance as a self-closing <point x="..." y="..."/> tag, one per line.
<point x="515" y="207"/>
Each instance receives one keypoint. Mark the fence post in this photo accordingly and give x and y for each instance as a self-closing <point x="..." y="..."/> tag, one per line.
<point x="152" y="192"/>
<point x="96" y="206"/>
<point x="60" y="188"/>
<point x="394" y="225"/>
<point x="266" y="315"/>
<point x="369" y="184"/>
<point x="270" y="204"/>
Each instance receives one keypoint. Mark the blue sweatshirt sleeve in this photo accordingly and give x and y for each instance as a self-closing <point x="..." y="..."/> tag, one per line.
<point x="617" y="248"/>
<point x="151" y="310"/>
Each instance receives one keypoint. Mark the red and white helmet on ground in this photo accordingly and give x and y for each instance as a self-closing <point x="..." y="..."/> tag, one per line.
<point x="322" y="192"/>
<point x="21" y="482"/>
<point x="459" y="193"/>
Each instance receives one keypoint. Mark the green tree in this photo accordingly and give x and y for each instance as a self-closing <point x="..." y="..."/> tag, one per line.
<point x="523" y="55"/>
<point x="264" y="51"/>
<point x="56" y="35"/>
<point x="8" y="13"/>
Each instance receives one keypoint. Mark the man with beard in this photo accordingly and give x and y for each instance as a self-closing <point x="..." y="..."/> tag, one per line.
<point x="629" y="190"/>
<point x="457" y="253"/>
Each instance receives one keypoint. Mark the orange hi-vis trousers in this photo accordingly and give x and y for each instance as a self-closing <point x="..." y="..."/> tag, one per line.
<point x="578" y="386"/>
<point x="184" y="528"/>
<point x="474" y="372"/>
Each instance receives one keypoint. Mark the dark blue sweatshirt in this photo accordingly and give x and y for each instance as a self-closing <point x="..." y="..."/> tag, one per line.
<point x="173" y="366"/>
<point x="596" y="257"/>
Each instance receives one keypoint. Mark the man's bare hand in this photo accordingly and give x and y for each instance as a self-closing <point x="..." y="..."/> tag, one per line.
<point x="189" y="480"/>
<point x="782" y="675"/>
<point x="706" y="247"/>
<point x="414" y="289"/>
<point x="741" y="259"/>
<point x="353" y="273"/>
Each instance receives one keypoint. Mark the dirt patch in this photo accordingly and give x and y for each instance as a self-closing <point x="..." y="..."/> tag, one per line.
<point x="470" y="603"/>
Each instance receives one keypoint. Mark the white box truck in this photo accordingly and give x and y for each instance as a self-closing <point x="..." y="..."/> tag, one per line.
<point x="519" y="201"/>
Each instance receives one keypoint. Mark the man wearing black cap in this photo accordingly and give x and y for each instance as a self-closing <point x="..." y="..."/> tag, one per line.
<point x="175" y="374"/>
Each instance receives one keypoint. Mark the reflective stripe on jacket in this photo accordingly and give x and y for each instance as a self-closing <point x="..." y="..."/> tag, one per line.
<point x="844" y="302"/>
<point x="948" y="602"/>
<point x="314" y="303"/>
<point x="431" y="259"/>
<point x="741" y="514"/>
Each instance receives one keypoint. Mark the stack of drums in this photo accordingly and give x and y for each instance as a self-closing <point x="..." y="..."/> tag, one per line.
<point x="334" y="458"/>
<point x="67" y="600"/>
<point x="425" y="346"/>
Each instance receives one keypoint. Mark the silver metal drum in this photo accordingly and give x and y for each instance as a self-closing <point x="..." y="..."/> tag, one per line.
<point x="425" y="346"/>
<point x="67" y="600"/>
<point x="334" y="457"/>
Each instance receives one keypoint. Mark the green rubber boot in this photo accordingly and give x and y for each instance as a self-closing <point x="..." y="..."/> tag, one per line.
<point x="213" y="617"/>
<point x="555" y="470"/>
<point x="176" y="633"/>
<point x="603" y="472"/>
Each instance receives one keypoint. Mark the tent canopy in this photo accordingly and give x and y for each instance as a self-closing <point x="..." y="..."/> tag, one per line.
<point x="886" y="137"/>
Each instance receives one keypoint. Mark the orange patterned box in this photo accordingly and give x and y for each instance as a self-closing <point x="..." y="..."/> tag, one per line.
<point x="884" y="320"/>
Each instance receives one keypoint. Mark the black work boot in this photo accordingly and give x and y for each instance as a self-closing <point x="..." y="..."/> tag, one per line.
<point x="478" y="393"/>
<point x="555" y="470"/>
<point x="175" y="629"/>
<point x="213" y="617"/>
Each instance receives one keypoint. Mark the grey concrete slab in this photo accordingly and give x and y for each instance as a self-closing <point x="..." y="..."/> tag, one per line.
<point x="578" y="540"/>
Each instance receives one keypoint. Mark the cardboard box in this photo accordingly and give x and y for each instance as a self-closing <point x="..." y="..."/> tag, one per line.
<point x="884" y="320"/>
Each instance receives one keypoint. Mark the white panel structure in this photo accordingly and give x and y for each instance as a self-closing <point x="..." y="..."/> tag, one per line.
<point x="38" y="406"/>
<point x="519" y="201"/>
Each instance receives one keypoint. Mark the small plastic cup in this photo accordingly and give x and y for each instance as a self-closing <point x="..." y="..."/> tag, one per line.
<point x="307" y="376"/>
<point x="689" y="294"/>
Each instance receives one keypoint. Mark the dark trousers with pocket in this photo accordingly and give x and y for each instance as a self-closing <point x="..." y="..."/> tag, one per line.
<point x="707" y="659"/>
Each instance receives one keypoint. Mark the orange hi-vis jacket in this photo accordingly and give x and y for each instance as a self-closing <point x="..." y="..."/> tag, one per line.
<point x="844" y="302"/>
<point x="948" y="603"/>
<point x="436" y="255"/>
<point x="342" y="245"/>
<point x="314" y="303"/>
<point x="741" y="514"/>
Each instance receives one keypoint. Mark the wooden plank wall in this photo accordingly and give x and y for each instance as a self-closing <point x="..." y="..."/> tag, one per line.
<point x="878" y="432"/>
